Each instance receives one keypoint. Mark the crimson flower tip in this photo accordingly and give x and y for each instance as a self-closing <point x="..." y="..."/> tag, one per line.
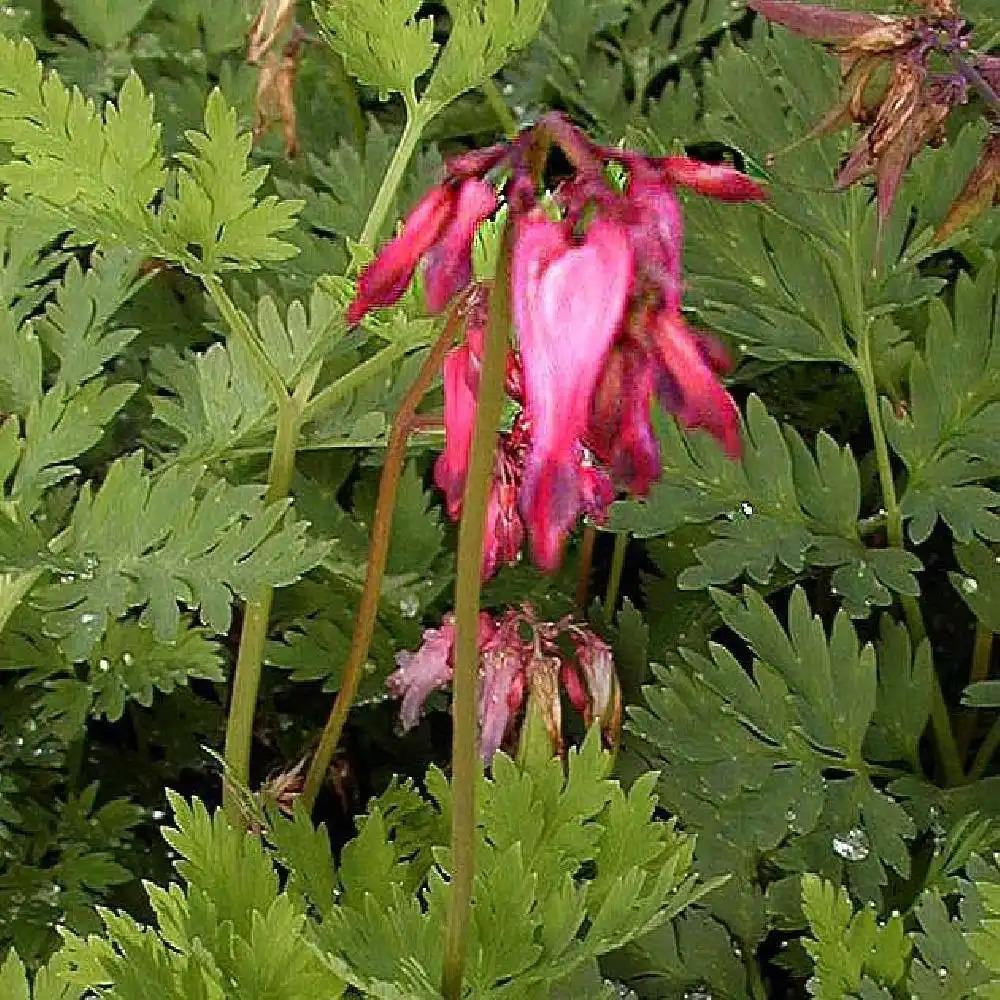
<point x="715" y="180"/>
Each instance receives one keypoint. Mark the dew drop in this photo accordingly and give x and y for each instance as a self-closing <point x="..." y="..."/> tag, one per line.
<point x="970" y="585"/>
<point x="128" y="659"/>
<point x="104" y="665"/>
<point x="853" y="845"/>
<point x="157" y="815"/>
<point x="409" y="606"/>
<point x="746" y="508"/>
<point x="88" y="618"/>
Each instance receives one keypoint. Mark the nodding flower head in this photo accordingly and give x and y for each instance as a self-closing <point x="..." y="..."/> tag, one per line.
<point x="595" y="298"/>
<point x="520" y="657"/>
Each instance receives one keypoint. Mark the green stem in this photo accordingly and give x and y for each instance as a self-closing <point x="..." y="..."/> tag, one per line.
<point x="585" y="566"/>
<point x="944" y="736"/>
<point x="499" y="108"/>
<point x="982" y="654"/>
<point x="986" y="752"/>
<point x="378" y="551"/>
<point x="253" y="636"/>
<point x="615" y="576"/>
<point x="239" y="326"/>
<point x="418" y="115"/>
<point x="757" y="988"/>
<point x="358" y="376"/>
<point x="465" y="737"/>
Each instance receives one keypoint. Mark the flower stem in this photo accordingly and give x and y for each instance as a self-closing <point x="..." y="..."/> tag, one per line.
<point x="973" y="77"/>
<point x="378" y="551"/>
<point x="584" y="568"/>
<point x="465" y="741"/>
<point x="986" y="752"/>
<point x="253" y="637"/>
<point x="615" y="576"/>
<point x="418" y="115"/>
<point x="944" y="736"/>
<point x="982" y="654"/>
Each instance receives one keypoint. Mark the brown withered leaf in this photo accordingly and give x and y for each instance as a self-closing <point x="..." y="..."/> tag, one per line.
<point x="980" y="192"/>
<point x="275" y="47"/>
<point x="276" y="94"/>
<point x="274" y="20"/>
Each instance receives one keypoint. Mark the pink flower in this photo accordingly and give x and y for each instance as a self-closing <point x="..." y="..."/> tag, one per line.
<point x="568" y="303"/>
<point x="452" y="464"/>
<point x="519" y="656"/>
<point x="689" y="384"/>
<point x="716" y="180"/>
<point x="604" y="701"/>
<point x="441" y="229"/>
<point x="420" y="673"/>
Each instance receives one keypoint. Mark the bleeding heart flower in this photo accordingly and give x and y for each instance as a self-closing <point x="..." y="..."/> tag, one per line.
<point x="441" y="229"/>
<point x="568" y="304"/>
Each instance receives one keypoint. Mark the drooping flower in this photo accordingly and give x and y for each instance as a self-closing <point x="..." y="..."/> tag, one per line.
<point x="598" y="332"/>
<point x="440" y="229"/>
<point x="568" y="301"/>
<point x="520" y="656"/>
<point x="420" y="673"/>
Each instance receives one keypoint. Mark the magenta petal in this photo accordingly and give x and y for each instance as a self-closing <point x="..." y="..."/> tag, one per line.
<point x="385" y="279"/>
<point x="697" y="397"/>
<point x="449" y="261"/>
<point x="500" y="693"/>
<point x="420" y="673"/>
<point x="568" y="303"/>
<point x="658" y="237"/>
<point x="452" y="464"/>
<point x="713" y="179"/>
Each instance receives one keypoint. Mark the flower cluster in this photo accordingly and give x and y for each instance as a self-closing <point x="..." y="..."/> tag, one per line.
<point x="519" y="657"/>
<point x="596" y="304"/>
<point x="893" y="88"/>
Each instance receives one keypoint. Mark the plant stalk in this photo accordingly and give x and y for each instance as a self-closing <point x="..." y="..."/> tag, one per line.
<point x="986" y="752"/>
<point x="253" y="636"/>
<point x="615" y="576"/>
<point x="584" y="568"/>
<point x="378" y="551"/>
<point x="418" y="115"/>
<point x="465" y="738"/>
<point x="982" y="654"/>
<point x="944" y="736"/>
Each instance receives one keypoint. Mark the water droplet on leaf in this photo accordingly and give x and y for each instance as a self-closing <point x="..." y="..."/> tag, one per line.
<point x="853" y="845"/>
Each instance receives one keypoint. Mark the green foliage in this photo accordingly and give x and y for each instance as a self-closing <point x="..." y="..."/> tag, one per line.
<point x="106" y="23"/>
<point x="383" y="44"/>
<point x="948" y="437"/>
<point x="780" y="510"/>
<point x="771" y="767"/>
<point x="228" y="925"/>
<point x="386" y="45"/>
<point x="985" y="940"/>
<point x="851" y="951"/>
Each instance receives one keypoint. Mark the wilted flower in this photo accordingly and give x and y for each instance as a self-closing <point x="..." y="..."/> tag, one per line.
<point x="910" y="109"/>
<point x="595" y="300"/>
<point x="520" y="656"/>
<point x="980" y="192"/>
